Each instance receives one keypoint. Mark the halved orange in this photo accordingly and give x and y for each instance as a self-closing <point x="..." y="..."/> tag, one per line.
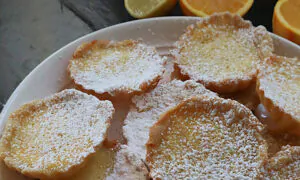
<point x="207" y="7"/>
<point x="286" y="21"/>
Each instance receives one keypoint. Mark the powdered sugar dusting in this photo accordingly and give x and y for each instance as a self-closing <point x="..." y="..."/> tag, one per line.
<point x="119" y="66"/>
<point x="151" y="105"/>
<point x="127" y="166"/>
<point x="168" y="95"/>
<point x="147" y="111"/>
<point x="208" y="138"/>
<point x="51" y="135"/>
<point x="263" y="42"/>
<point x="279" y="78"/>
<point x="219" y="50"/>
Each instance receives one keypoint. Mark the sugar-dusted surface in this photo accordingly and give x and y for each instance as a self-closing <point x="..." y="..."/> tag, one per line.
<point x="151" y="105"/>
<point x="284" y="165"/>
<point x="221" y="51"/>
<point x="206" y="138"/>
<point x="111" y="67"/>
<point x="144" y="114"/>
<point x="279" y="81"/>
<point x="47" y="137"/>
<point x="263" y="42"/>
<point x="127" y="166"/>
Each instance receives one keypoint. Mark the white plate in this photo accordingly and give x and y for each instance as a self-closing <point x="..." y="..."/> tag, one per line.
<point x="51" y="76"/>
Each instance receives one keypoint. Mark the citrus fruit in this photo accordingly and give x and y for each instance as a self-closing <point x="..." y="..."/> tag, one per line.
<point x="286" y="19"/>
<point x="207" y="7"/>
<point x="149" y="8"/>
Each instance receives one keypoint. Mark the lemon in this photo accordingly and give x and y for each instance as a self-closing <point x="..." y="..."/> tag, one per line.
<point x="149" y="8"/>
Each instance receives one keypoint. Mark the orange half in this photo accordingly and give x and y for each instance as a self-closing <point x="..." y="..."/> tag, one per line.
<point x="286" y="22"/>
<point x="207" y="7"/>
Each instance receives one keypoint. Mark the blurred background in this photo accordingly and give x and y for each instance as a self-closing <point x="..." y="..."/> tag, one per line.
<point x="31" y="30"/>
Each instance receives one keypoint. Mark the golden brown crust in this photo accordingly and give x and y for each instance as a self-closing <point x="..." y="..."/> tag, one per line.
<point x="277" y="141"/>
<point x="284" y="165"/>
<point x="274" y="140"/>
<point x="247" y="97"/>
<point x="278" y="90"/>
<point x="121" y="94"/>
<point x="222" y="52"/>
<point x="53" y="137"/>
<point x="156" y="133"/>
<point x="85" y="47"/>
<point x="273" y="145"/>
<point x="8" y="174"/>
<point x="110" y="69"/>
<point x="232" y="114"/>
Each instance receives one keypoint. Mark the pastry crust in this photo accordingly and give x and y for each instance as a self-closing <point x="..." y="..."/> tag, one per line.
<point x="222" y="52"/>
<point x="110" y="68"/>
<point x="275" y="140"/>
<point x="142" y="115"/>
<point x="248" y="97"/>
<point x="206" y="137"/>
<point x="278" y="87"/>
<point x="53" y="137"/>
<point x="284" y="165"/>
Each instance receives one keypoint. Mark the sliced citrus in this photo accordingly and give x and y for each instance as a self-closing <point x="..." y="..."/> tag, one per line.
<point x="207" y="7"/>
<point x="286" y="19"/>
<point x="149" y="8"/>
